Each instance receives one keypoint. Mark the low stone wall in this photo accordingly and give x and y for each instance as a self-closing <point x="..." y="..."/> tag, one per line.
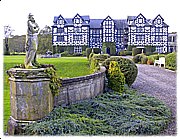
<point x="31" y="98"/>
<point x="80" y="88"/>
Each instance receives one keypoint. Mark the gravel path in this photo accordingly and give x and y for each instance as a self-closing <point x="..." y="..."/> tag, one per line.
<point x="160" y="83"/>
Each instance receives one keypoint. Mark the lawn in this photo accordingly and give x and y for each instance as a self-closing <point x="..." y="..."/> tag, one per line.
<point x="66" y="67"/>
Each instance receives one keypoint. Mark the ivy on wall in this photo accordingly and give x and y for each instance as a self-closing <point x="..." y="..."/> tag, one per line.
<point x="109" y="48"/>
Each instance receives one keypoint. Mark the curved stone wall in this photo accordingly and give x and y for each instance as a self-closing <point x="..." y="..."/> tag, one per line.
<point x="80" y="88"/>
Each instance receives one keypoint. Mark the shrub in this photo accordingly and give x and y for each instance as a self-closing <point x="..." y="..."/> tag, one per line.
<point x="94" y="65"/>
<point x="150" y="60"/>
<point x="116" y="79"/>
<point x="171" y="61"/>
<point x="90" y="56"/>
<point x="130" y="47"/>
<point x="95" y="50"/>
<point x="144" y="59"/>
<point x="122" y="53"/>
<point x="129" y="53"/>
<point x="64" y="54"/>
<point x="83" y="53"/>
<point x="127" y="67"/>
<point x="101" y="57"/>
<point x="140" y="58"/>
<point x="136" y="51"/>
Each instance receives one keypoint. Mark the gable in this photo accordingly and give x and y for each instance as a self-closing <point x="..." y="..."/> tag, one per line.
<point x="158" y="21"/>
<point x="108" y="20"/>
<point x="140" y="20"/>
<point x="77" y="19"/>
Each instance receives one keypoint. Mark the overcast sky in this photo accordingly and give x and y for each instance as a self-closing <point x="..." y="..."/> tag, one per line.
<point x="15" y="12"/>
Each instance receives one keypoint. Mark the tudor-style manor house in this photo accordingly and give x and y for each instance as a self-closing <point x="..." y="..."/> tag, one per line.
<point x="81" y="31"/>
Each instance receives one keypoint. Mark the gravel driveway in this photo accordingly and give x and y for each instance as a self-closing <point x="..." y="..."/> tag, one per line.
<point x="160" y="83"/>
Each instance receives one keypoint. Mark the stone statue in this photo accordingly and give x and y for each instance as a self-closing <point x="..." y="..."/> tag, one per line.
<point x="31" y="42"/>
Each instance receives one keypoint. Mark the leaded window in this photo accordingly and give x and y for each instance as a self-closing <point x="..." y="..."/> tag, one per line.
<point x="78" y="49"/>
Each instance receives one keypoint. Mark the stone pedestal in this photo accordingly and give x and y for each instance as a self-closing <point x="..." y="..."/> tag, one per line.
<point x="31" y="97"/>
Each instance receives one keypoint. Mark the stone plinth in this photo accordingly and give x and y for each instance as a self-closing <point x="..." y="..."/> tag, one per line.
<point x="31" y="97"/>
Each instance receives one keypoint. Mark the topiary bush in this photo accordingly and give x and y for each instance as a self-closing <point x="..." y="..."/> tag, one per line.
<point x="94" y="65"/>
<point x="140" y="58"/>
<point x="171" y="61"/>
<point x="127" y="67"/>
<point x="125" y="53"/>
<point x="95" y="51"/>
<point x="116" y="79"/>
<point x="101" y="57"/>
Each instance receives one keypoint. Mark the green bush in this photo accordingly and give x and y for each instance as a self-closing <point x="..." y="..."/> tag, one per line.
<point x="127" y="67"/>
<point x="150" y="60"/>
<point x="128" y="53"/>
<point x="101" y="57"/>
<point x="90" y="56"/>
<point x="171" y="62"/>
<point x="130" y="47"/>
<point x="125" y="53"/>
<point x="136" y="51"/>
<point x="122" y="53"/>
<point x="65" y="53"/>
<point x="144" y="59"/>
<point x="94" y="65"/>
<point x="116" y="79"/>
<point x="140" y="58"/>
<point x="95" y="51"/>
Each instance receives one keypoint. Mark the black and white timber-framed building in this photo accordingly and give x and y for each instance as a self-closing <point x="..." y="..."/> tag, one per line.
<point x="81" y="31"/>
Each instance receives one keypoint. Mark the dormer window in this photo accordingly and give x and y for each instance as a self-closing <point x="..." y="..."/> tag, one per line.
<point x="60" y="22"/>
<point x="159" y="21"/>
<point x="77" y="21"/>
<point x="140" y="20"/>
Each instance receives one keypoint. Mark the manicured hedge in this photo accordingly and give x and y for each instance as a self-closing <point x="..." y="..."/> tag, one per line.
<point x="127" y="66"/>
<point x="140" y="58"/>
<point x="116" y="79"/>
<point x="171" y="62"/>
<point x="101" y="57"/>
<point x="95" y="51"/>
<point x="125" y="53"/>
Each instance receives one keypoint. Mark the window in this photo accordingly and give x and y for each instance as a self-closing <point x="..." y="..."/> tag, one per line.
<point x="77" y="37"/>
<point x="77" y="21"/>
<point x="60" y="30"/>
<point x="158" y="39"/>
<point x="60" y="22"/>
<point x="55" y="30"/>
<point x="55" y="38"/>
<point x="78" y="49"/>
<point x="60" y="38"/>
<point x="77" y="29"/>
<point x="140" y="20"/>
<point x="140" y="37"/>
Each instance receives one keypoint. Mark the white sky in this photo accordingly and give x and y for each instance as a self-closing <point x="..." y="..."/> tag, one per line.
<point x="15" y="12"/>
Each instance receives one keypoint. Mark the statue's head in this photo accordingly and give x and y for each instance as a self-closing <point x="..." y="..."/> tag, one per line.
<point x="31" y="17"/>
